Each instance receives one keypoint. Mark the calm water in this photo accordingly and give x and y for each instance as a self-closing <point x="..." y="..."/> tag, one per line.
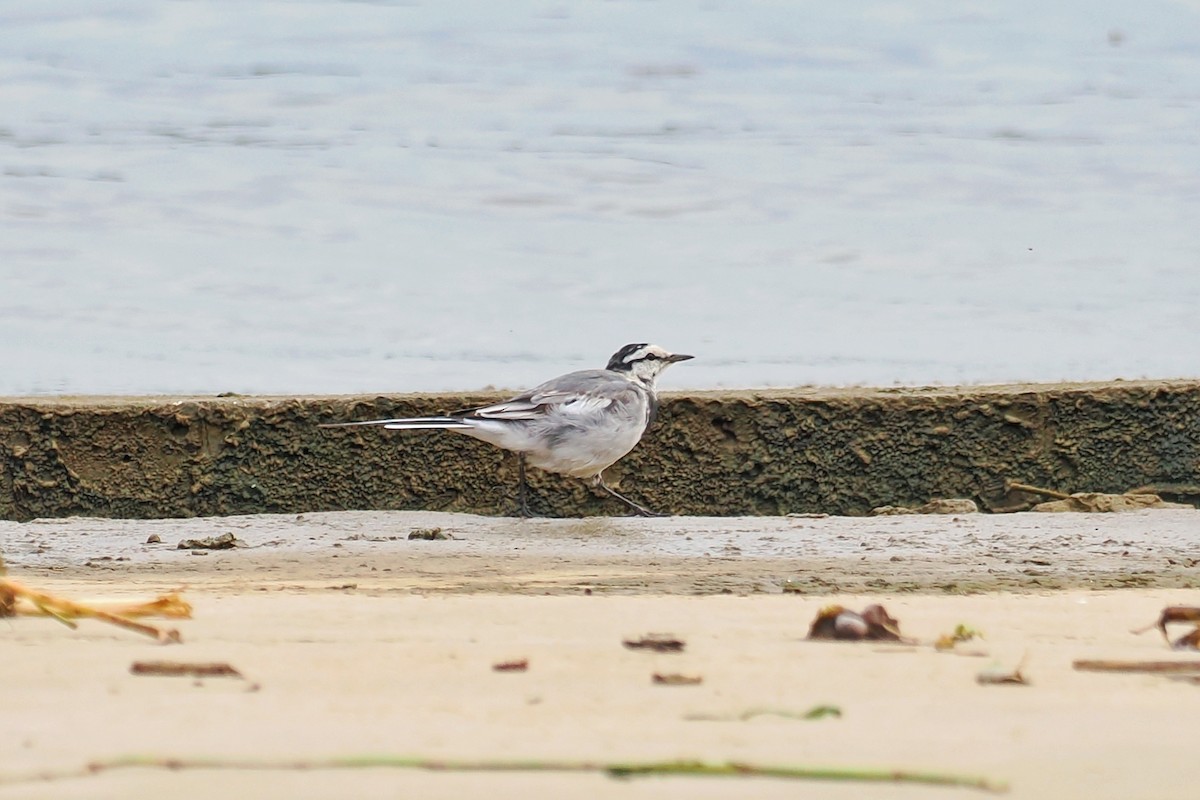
<point x="322" y="196"/>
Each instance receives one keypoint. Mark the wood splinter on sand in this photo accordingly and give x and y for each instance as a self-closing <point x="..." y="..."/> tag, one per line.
<point x="16" y="598"/>
<point x="185" y="669"/>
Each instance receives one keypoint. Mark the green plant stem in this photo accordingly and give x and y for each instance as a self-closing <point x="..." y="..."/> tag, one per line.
<point x="614" y="769"/>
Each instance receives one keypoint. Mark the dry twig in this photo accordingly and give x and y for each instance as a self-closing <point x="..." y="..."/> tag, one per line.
<point x="1025" y="487"/>
<point x="37" y="603"/>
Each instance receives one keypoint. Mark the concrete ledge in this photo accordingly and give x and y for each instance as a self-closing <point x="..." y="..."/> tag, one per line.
<point x="709" y="453"/>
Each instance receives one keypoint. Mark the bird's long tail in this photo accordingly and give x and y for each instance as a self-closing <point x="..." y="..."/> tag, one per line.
<point x="404" y="424"/>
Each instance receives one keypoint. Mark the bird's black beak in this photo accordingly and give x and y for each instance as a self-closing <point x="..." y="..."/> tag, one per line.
<point x="677" y="357"/>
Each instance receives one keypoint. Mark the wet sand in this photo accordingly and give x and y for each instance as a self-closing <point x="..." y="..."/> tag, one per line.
<point x="677" y="555"/>
<point x="361" y="641"/>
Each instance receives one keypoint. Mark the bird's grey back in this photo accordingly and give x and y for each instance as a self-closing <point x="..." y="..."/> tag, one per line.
<point x="596" y="382"/>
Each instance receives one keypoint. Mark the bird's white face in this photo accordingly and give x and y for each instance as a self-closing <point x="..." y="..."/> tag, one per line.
<point x="644" y="362"/>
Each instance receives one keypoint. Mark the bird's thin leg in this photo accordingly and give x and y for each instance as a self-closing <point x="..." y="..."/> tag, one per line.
<point x="640" y="509"/>
<point x="522" y="491"/>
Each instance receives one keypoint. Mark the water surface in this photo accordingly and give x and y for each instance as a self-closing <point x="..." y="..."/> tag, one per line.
<point x="294" y="197"/>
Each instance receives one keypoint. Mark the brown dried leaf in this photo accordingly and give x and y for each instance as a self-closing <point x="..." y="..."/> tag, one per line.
<point x="1189" y="641"/>
<point x="1172" y="614"/>
<point x="837" y="622"/>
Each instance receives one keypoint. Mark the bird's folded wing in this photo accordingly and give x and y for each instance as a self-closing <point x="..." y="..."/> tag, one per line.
<point x="540" y="403"/>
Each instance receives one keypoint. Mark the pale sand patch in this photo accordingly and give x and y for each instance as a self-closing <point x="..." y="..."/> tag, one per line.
<point x="402" y="663"/>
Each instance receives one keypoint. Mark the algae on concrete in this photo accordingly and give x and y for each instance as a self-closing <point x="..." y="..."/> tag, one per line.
<point x="843" y="451"/>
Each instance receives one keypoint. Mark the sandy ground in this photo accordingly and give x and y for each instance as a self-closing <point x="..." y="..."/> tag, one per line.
<point x="356" y="640"/>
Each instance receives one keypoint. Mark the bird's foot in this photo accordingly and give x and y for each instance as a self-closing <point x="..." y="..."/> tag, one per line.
<point x="638" y="509"/>
<point x="523" y="510"/>
<point x="516" y="506"/>
<point x="641" y="511"/>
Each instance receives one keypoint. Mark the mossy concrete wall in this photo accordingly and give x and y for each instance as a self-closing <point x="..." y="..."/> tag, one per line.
<point x="709" y="453"/>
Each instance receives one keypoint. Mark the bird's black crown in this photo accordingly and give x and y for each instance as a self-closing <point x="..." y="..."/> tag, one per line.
<point x="622" y="361"/>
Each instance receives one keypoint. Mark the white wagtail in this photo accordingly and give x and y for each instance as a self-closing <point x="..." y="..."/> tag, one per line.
<point x="577" y="424"/>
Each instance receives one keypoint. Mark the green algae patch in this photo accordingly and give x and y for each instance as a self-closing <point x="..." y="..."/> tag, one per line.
<point x="835" y="451"/>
